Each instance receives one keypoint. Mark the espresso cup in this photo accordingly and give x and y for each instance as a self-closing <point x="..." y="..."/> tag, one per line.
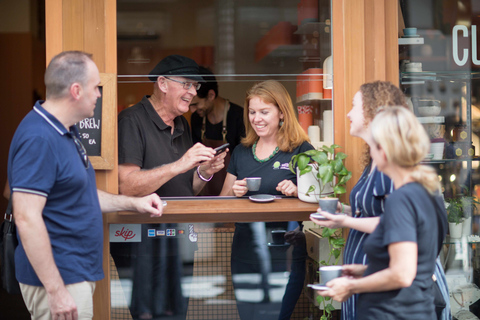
<point x="278" y="236"/>
<point x="328" y="204"/>
<point x="410" y="31"/>
<point x="328" y="273"/>
<point x="253" y="184"/>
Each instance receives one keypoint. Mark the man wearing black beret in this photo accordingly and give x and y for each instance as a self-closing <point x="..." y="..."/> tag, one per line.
<point x="155" y="149"/>
<point x="156" y="154"/>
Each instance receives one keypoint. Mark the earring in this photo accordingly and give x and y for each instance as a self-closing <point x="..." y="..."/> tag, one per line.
<point x="280" y="123"/>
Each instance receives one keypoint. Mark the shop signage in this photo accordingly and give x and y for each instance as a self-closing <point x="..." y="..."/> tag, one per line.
<point x="125" y="233"/>
<point x="461" y="55"/>
<point x="91" y="130"/>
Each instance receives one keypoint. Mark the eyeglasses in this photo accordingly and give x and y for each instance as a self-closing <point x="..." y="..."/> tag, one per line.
<point x="81" y="151"/>
<point x="186" y="85"/>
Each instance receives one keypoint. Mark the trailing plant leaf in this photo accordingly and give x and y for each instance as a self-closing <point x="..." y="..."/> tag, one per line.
<point x="320" y="299"/>
<point x="340" y="155"/>
<point x="306" y="170"/>
<point x="303" y="161"/>
<point x="320" y="157"/>
<point x="310" y="189"/>
<point x="339" y="190"/>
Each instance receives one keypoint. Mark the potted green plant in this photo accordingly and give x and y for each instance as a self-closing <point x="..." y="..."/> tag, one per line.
<point x="454" y="217"/>
<point x="320" y="173"/>
<point x="459" y="212"/>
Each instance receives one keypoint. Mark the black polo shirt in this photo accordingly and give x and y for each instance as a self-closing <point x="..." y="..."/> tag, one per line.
<point x="146" y="141"/>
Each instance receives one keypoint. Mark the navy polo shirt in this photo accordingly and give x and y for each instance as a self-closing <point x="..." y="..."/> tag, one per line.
<point x="44" y="160"/>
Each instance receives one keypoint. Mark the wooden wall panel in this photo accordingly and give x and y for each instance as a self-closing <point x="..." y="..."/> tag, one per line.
<point x="391" y="39"/>
<point x="90" y="26"/>
<point x="365" y="48"/>
<point x="53" y="28"/>
<point x="74" y="20"/>
<point x="94" y="31"/>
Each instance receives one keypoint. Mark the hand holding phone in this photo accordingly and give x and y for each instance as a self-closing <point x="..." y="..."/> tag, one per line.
<point x="221" y="149"/>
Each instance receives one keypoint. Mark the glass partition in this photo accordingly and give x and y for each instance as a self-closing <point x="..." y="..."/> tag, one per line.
<point x="439" y="73"/>
<point x="222" y="270"/>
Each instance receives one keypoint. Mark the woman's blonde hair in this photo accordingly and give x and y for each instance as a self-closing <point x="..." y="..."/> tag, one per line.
<point x="376" y="95"/>
<point x="405" y="143"/>
<point x="290" y="134"/>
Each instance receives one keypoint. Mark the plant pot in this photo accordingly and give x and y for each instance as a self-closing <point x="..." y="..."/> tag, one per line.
<point x="305" y="181"/>
<point x="467" y="226"/>
<point x="455" y="230"/>
<point x="328" y="204"/>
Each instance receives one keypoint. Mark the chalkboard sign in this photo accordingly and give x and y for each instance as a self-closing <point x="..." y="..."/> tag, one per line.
<point x="98" y="132"/>
<point x="91" y="130"/>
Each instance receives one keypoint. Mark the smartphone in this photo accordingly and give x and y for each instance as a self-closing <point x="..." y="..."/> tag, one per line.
<point x="221" y="149"/>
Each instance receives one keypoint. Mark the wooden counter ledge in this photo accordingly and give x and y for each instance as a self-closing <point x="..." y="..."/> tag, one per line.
<point x="221" y="209"/>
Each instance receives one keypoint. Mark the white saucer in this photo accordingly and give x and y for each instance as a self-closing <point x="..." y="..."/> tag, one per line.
<point x="286" y="244"/>
<point x="318" y="286"/>
<point x="317" y="216"/>
<point x="262" y="198"/>
<point x="412" y="36"/>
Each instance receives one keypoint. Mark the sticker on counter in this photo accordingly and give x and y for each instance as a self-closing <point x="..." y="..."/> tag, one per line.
<point x="125" y="233"/>
<point x="151" y="233"/>
<point x="170" y="232"/>
<point x="160" y="233"/>
<point x="192" y="235"/>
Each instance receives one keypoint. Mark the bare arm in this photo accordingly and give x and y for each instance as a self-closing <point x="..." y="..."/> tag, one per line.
<point x="134" y="181"/>
<point x="228" y="184"/>
<point x="6" y="191"/>
<point x="400" y="273"/>
<point x="28" y="210"/>
<point x="334" y="221"/>
<point x="112" y="202"/>
<point x="207" y="169"/>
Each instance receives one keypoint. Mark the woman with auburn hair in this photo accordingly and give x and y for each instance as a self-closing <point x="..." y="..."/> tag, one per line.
<point x="367" y="198"/>
<point x="404" y="244"/>
<point x="273" y="136"/>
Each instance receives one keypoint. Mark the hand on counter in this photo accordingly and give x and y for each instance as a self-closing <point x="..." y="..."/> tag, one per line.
<point x="288" y="188"/>
<point x="151" y="204"/>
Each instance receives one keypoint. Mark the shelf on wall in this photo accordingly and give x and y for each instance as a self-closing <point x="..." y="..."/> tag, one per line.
<point x="443" y="161"/>
<point x="410" y="41"/>
<point x="413" y="82"/>
<point x="431" y="119"/>
<point x="311" y="96"/>
<point x="311" y="27"/>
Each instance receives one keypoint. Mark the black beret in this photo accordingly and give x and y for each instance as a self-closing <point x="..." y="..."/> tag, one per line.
<point x="176" y="65"/>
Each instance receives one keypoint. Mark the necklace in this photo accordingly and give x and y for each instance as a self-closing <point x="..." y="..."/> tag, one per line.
<point x="254" y="148"/>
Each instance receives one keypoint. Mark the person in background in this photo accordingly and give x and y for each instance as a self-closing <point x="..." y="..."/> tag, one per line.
<point x="273" y="136"/>
<point x="367" y="198"/>
<point x="215" y="121"/>
<point x="156" y="154"/>
<point x="56" y="204"/>
<point x="405" y="242"/>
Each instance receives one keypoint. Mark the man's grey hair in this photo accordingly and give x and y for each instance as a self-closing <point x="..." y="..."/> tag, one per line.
<point x="65" y="69"/>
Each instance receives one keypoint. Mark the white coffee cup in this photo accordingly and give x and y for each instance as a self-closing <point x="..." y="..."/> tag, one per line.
<point x="253" y="183"/>
<point x="328" y="273"/>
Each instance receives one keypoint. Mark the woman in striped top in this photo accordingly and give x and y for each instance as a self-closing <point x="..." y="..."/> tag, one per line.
<point x="368" y="195"/>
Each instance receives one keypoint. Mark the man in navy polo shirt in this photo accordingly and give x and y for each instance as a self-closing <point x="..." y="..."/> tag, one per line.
<point x="57" y="207"/>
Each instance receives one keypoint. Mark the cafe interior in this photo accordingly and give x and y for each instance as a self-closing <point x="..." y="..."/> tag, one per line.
<point x="180" y="266"/>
